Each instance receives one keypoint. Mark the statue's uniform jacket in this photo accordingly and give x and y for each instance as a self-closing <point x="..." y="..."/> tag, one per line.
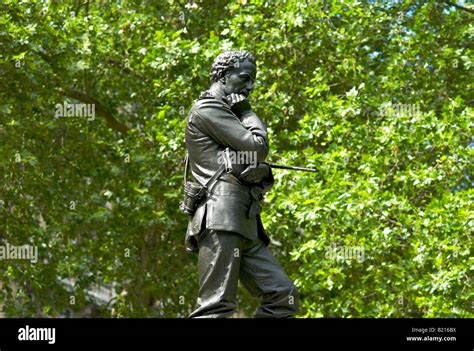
<point x="211" y="126"/>
<point x="228" y="220"/>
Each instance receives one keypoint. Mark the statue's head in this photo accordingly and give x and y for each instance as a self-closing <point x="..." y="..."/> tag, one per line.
<point x="235" y="70"/>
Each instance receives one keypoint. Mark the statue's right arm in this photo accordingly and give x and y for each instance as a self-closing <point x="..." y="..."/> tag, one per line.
<point x="226" y="129"/>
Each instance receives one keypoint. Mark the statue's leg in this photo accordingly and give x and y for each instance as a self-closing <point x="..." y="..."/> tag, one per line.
<point x="218" y="264"/>
<point x="262" y="275"/>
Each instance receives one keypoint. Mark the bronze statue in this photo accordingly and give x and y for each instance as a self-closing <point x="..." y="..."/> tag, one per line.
<point x="225" y="229"/>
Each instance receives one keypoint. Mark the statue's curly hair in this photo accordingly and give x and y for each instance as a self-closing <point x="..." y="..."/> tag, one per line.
<point x="228" y="60"/>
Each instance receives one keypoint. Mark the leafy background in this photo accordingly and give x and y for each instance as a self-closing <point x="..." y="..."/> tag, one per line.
<point x="99" y="198"/>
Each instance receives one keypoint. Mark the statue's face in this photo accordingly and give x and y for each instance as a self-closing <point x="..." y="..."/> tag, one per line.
<point x="241" y="78"/>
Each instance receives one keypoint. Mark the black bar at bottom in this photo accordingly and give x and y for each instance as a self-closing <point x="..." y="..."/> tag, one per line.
<point x="403" y="334"/>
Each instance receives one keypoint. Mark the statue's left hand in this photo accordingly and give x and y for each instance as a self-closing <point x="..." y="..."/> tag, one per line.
<point x="255" y="175"/>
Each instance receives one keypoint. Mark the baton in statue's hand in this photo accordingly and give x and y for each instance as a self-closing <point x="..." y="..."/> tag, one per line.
<point x="293" y="168"/>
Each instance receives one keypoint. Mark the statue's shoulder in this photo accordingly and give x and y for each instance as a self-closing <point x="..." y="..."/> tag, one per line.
<point x="207" y="108"/>
<point x="207" y="100"/>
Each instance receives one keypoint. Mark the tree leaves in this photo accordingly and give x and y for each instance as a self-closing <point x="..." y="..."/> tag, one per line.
<point x="102" y="195"/>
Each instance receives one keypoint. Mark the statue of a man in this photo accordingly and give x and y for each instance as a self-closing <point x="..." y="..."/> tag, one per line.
<point x="226" y="229"/>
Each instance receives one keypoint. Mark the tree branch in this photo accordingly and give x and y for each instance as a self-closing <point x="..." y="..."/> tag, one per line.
<point x="450" y="3"/>
<point x="126" y="69"/>
<point x="102" y="110"/>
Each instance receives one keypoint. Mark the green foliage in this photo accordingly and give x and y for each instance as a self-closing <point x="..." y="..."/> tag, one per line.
<point x="99" y="198"/>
